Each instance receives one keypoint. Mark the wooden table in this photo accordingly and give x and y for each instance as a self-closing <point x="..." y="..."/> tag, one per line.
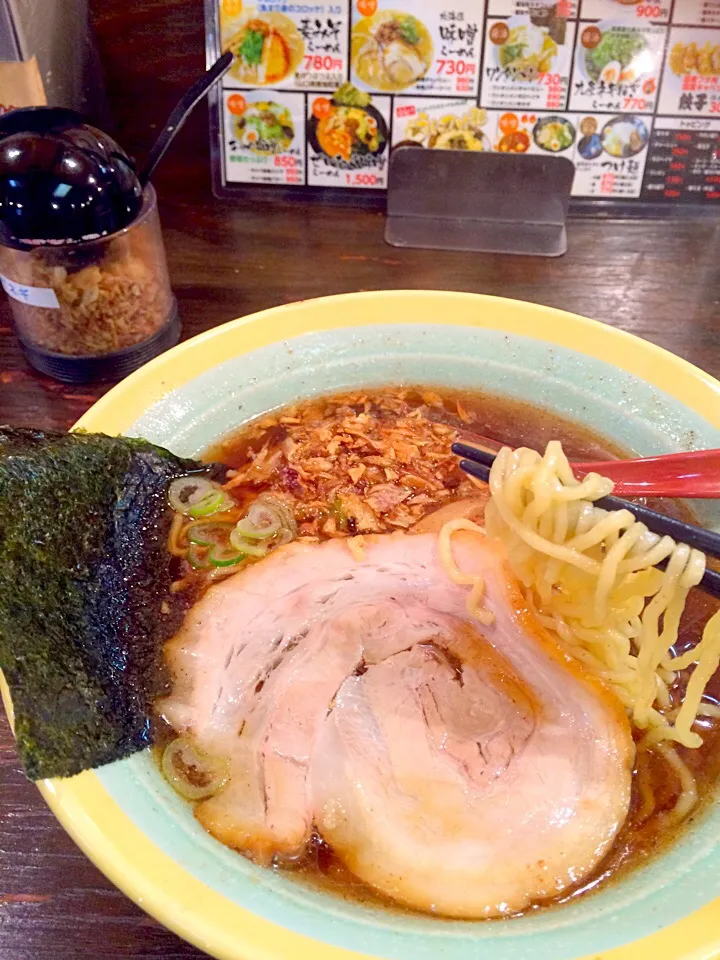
<point x="660" y="281"/>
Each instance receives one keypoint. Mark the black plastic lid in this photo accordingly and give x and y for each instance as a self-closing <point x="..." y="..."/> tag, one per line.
<point x="61" y="180"/>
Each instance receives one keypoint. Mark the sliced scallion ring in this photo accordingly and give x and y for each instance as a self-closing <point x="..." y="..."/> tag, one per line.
<point x="210" y="533"/>
<point x="191" y="772"/>
<point x="212" y="503"/>
<point x="282" y="509"/>
<point x="197" y="556"/>
<point x="226" y="556"/>
<point x="247" y="547"/>
<point x="261" y="523"/>
<point x="185" y="492"/>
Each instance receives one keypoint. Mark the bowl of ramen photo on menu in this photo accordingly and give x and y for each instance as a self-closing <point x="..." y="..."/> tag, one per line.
<point x="267" y="48"/>
<point x="390" y="50"/>
<point x="265" y="127"/>
<point x="347" y="128"/>
<point x="318" y="693"/>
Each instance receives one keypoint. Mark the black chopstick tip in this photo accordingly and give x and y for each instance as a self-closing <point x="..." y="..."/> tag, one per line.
<point x="478" y="470"/>
<point x="473" y="454"/>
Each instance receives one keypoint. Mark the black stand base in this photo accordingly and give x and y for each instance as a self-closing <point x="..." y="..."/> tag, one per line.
<point x="109" y="366"/>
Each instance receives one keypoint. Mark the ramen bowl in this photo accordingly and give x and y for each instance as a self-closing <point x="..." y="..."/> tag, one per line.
<point x="145" y="839"/>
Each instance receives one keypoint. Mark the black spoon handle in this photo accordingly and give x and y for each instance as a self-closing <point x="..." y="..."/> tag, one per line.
<point x="182" y="111"/>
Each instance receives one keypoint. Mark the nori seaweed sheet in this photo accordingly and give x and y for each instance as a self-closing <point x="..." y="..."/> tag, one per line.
<point x="84" y="600"/>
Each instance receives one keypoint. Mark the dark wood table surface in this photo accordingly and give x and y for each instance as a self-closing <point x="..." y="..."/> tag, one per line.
<point x="660" y="281"/>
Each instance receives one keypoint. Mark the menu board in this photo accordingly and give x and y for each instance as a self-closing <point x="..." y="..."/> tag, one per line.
<point x="321" y="91"/>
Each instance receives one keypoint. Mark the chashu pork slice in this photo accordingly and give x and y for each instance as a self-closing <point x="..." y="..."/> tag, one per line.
<point x="479" y="774"/>
<point x="256" y="669"/>
<point x="465" y="769"/>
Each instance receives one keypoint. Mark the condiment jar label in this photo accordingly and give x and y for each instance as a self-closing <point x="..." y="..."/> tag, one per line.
<point x="33" y="296"/>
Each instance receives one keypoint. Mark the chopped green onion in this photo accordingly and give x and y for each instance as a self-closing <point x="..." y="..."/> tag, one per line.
<point x="270" y="522"/>
<point x="246" y="528"/>
<point x="226" y="556"/>
<point x="269" y="518"/>
<point x="211" y="533"/>
<point x="246" y="547"/>
<point x="198" y="557"/>
<point x="409" y="30"/>
<point x="191" y="772"/>
<point x="260" y="523"/>
<point x="186" y="491"/>
<point x="198" y="497"/>
<point x="251" y="48"/>
<point x="213" y="503"/>
<point x="210" y="545"/>
<point x="282" y="509"/>
<point x="341" y="517"/>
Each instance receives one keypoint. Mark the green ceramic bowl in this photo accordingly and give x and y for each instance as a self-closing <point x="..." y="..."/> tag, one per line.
<point x="137" y="830"/>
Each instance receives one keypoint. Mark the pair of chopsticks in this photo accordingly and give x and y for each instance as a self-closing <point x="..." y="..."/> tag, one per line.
<point x="477" y="463"/>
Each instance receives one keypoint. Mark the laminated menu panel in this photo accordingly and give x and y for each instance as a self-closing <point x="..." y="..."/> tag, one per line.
<point x="322" y="91"/>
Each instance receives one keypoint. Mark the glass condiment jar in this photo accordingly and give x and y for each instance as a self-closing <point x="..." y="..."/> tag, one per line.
<point x="81" y="256"/>
<point x="94" y="310"/>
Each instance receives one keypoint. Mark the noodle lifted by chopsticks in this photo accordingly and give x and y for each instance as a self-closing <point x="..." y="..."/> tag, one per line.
<point x="590" y="576"/>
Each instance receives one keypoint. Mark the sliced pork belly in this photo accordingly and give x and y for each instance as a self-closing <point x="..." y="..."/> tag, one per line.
<point x="464" y="769"/>
<point x="256" y="669"/>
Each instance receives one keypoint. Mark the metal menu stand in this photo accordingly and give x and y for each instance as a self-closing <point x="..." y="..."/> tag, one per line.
<point x="452" y="200"/>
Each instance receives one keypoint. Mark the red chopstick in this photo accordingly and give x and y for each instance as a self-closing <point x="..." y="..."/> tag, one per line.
<point x="477" y="463"/>
<point x="691" y="475"/>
